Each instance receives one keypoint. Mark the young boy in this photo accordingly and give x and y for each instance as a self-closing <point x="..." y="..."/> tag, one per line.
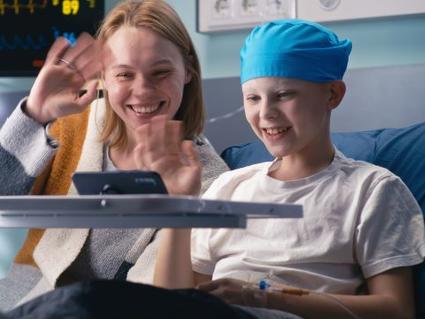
<point x="351" y="253"/>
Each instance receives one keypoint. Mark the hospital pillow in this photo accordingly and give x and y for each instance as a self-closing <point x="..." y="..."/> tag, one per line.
<point x="402" y="151"/>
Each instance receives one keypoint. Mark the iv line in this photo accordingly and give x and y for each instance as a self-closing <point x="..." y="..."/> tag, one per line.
<point x="225" y="116"/>
<point x="263" y="284"/>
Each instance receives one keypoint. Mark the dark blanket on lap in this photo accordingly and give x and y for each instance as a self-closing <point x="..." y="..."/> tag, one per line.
<point x="121" y="299"/>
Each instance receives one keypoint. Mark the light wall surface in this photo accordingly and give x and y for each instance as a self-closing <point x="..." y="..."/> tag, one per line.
<point x="376" y="42"/>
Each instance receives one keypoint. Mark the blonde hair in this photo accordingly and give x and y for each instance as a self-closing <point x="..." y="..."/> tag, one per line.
<point x="160" y="17"/>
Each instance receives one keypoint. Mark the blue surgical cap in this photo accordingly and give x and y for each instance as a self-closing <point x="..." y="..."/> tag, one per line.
<point x="294" y="49"/>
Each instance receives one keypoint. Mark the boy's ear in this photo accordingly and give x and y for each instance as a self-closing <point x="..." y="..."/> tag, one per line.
<point x="337" y="89"/>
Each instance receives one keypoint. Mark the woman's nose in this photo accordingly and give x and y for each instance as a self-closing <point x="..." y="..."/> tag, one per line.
<point x="141" y="84"/>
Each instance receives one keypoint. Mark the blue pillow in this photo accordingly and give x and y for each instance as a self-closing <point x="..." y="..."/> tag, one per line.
<point x="358" y="145"/>
<point x="402" y="151"/>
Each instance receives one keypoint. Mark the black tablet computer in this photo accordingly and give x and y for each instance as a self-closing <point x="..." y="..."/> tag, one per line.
<point x="118" y="182"/>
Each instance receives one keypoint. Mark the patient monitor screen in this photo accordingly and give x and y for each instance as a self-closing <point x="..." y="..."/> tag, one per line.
<point x="29" y="27"/>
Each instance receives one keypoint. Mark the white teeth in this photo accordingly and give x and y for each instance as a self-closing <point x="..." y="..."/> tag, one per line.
<point x="145" y="109"/>
<point x="275" y="131"/>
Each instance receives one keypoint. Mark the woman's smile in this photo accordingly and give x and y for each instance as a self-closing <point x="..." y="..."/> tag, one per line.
<point x="146" y="110"/>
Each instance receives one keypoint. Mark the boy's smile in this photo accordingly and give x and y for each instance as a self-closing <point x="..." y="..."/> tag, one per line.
<point x="276" y="131"/>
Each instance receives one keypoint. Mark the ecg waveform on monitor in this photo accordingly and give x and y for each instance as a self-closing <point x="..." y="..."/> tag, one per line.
<point x="28" y="28"/>
<point x="36" y="42"/>
<point x="16" y="6"/>
<point x="25" y="43"/>
<point x="67" y="7"/>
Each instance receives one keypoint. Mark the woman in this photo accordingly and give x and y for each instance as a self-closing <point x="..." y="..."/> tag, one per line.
<point x="150" y="68"/>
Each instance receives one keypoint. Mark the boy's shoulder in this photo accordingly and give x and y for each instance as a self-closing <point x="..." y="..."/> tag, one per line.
<point x="361" y="169"/>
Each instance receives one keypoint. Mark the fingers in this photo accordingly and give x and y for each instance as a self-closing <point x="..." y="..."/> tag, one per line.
<point x="190" y="154"/>
<point x="213" y="285"/>
<point x="89" y="58"/>
<point x="90" y="94"/>
<point x="165" y="137"/>
<point x="92" y="69"/>
<point x="139" y="153"/>
<point x="206" y="286"/>
<point x="173" y="137"/>
<point x="62" y="48"/>
<point x="229" y="290"/>
<point x="57" y="49"/>
<point x="138" y="158"/>
<point x="148" y="150"/>
<point x="84" y="58"/>
<point x="83" y="43"/>
<point x="162" y="138"/>
<point x="155" y="141"/>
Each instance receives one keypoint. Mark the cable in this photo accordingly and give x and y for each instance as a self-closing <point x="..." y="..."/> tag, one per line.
<point x="264" y="284"/>
<point x="225" y="116"/>
<point x="337" y="301"/>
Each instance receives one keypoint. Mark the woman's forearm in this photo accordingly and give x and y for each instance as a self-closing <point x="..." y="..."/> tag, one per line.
<point x="24" y="153"/>
<point x="173" y="267"/>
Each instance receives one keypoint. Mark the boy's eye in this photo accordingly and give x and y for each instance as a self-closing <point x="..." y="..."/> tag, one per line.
<point x="284" y="94"/>
<point x="252" y="98"/>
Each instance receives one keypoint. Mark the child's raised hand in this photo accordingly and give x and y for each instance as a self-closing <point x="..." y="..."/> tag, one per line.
<point x="163" y="150"/>
<point x="56" y="91"/>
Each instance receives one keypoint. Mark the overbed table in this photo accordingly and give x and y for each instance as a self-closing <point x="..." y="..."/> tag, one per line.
<point x="134" y="211"/>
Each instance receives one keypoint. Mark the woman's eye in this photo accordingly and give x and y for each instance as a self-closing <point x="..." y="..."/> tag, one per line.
<point x="161" y="73"/>
<point x="124" y="75"/>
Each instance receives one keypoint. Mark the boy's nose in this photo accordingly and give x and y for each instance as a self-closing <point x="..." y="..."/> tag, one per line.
<point x="268" y="110"/>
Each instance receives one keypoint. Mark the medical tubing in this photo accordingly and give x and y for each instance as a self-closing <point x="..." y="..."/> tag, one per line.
<point x="226" y="115"/>
<point x="338" y="302"/>
<point x="267" y="286"/>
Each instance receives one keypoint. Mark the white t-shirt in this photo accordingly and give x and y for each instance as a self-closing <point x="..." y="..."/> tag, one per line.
<point x="359" y="220"/>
